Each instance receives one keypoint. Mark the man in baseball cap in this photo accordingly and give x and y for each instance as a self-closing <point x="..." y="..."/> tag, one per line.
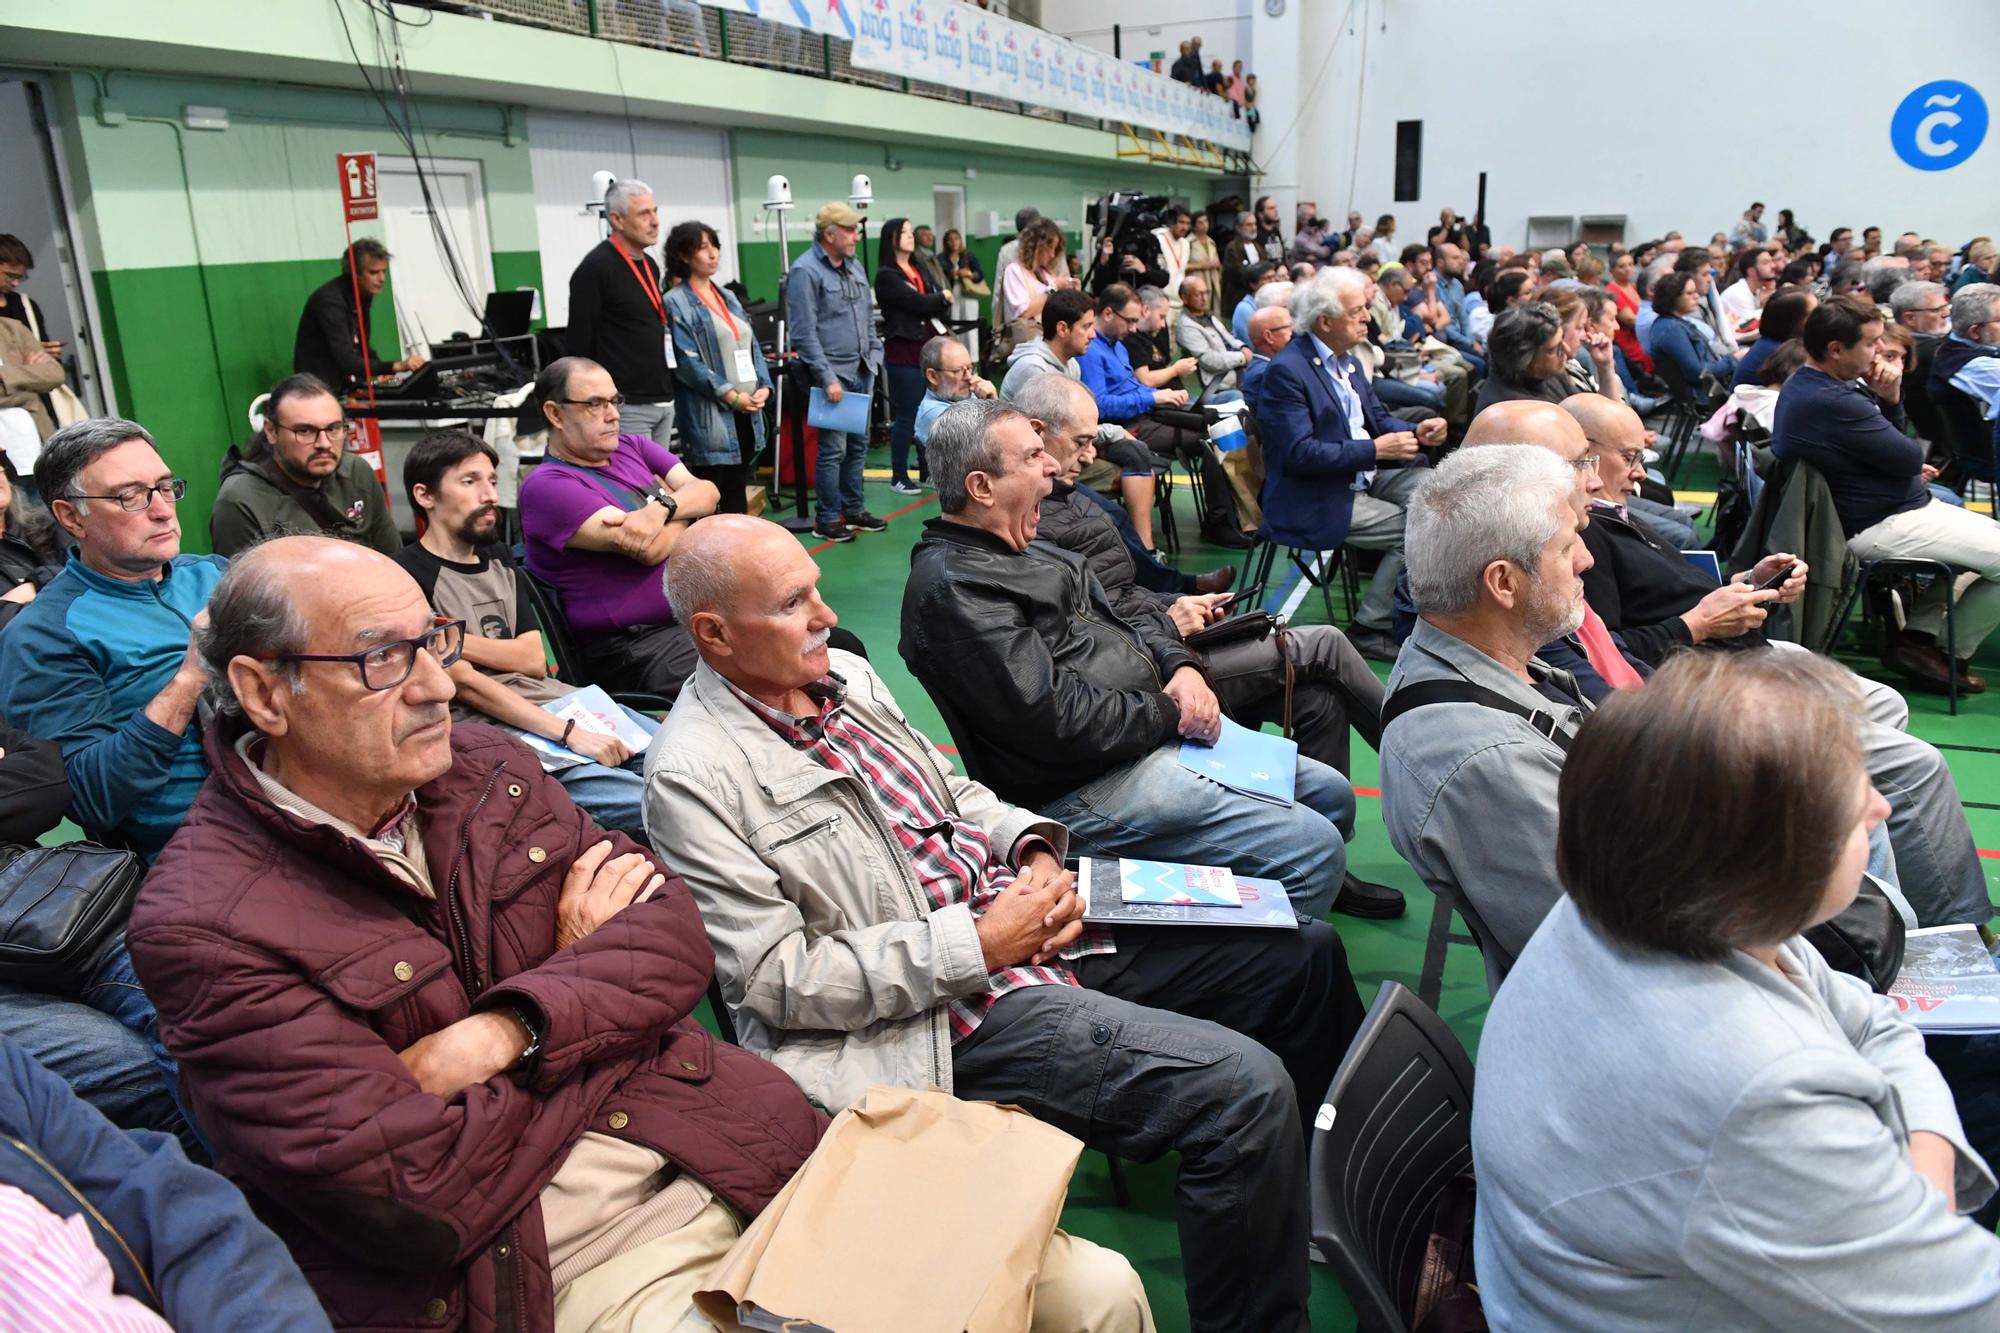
<point x="829" y="309"/>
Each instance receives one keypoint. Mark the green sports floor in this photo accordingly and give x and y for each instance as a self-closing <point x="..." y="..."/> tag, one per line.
<point x="863" y="582"/>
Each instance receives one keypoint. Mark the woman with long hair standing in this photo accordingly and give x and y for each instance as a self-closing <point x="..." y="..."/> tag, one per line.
<point x="913" y="311"/>
<point x="719" y="418"/>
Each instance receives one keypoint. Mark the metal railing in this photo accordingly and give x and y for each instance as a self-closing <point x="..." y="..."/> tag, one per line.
<point x="694" y="29"/>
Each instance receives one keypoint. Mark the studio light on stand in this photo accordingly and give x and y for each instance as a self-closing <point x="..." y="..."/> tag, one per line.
<point x="778" y="200"/>
<point x="600" y="186"/>
<point x="861" y="193"/>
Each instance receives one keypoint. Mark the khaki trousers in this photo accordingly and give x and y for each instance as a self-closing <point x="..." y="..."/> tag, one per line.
<point x="1084" y="1288"/>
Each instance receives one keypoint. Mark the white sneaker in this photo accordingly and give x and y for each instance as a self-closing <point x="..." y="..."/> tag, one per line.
<point x="906" y="488"/>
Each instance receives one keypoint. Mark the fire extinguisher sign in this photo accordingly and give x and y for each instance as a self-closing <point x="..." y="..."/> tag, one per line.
<point x="357" y="186"/>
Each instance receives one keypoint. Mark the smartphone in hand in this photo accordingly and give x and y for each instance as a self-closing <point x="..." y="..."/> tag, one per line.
<point x="1778" y="580"/>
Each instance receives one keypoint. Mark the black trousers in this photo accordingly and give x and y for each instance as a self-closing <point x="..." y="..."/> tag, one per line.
<point x="1333" y="690"/>
<point x="1218" y="1044"/>
<point x="1218" y="508"/>
<point x="653" y="659"/>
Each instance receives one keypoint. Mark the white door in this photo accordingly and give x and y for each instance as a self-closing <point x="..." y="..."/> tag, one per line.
<point x="947" y="210"/>
<point x="687" y="166"/>
<point x="430" y="305"/>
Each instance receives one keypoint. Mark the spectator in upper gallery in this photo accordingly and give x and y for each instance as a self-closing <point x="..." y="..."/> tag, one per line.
<point x="1214" y="81"/>
<point x="618" y="312"/>
<point x="1187" y="66"/>
<point x="328" y="343"/>
<point x="299" y="477"/>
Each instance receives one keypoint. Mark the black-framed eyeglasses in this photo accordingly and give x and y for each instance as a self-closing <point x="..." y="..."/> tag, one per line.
<point x="137" y="499"/>
<point x="387" y="665"/>
<point x="594" y="406"/>
<point x="307" y="434"/>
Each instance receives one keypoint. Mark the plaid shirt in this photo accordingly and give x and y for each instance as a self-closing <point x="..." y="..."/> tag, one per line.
<point x="951" y="856"/>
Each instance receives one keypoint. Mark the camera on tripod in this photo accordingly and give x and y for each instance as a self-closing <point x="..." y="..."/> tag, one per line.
<point x="1128" y="219"/>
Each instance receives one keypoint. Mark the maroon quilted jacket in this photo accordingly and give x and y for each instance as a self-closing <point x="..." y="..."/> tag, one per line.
<point x="289" y="967"/>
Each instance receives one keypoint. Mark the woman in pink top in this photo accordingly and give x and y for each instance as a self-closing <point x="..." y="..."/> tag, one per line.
<point x="1026" y="284"/>
<point x="1233" y="89"/>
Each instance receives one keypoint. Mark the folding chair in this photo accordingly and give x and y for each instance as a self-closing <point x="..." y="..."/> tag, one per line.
<point x="1319" y="568"/>
<point x="1394" y="1132"/>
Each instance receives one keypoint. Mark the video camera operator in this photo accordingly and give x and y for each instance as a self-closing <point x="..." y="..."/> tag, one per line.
<point x="1123" y="247"/>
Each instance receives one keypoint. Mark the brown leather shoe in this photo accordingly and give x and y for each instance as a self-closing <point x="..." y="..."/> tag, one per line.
<point x="1920" y="661"/>
<point x="1969" y="681"/>
<point x="1216" y="580"/>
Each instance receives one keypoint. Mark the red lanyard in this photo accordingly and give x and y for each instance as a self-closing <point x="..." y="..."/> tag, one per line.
<point x="708" y="298"/>
<point x="652" y="293"/>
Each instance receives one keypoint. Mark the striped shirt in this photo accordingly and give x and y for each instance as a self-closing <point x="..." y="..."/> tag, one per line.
<point x="951" y="857"/>
<point x="53" y="1276"/>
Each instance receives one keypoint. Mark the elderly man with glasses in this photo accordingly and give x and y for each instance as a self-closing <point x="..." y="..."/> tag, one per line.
<point x="101" y="662"/>
<point x="298" y="477"/>
<point x="435" y="1020"/>
<point x="601" y="515"/>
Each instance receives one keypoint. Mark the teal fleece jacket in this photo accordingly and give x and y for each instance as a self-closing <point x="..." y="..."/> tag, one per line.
<point x="78" y="666"/>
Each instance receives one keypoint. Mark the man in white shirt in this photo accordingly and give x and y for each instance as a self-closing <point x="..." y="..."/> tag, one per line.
<point x="1756" y="279"/>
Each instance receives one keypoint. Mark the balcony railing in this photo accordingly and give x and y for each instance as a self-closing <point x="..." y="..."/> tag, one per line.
<point x="694" y="29"/>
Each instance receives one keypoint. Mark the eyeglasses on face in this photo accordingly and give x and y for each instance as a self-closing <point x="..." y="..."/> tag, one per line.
<point x="1588" y="463"/>
<point x="336" y="432"/>
<point x="387" y="665"/>
<point x="136" y="499"/>
<point x="594" y="406"/>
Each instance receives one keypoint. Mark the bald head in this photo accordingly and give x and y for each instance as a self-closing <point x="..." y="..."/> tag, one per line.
<point x="1532" y="421"/>
<point x="1271" y="329"/>
<point x="749" y="595"/>
<point x="1525" y="421"/>
<point x="1617" y="437"/>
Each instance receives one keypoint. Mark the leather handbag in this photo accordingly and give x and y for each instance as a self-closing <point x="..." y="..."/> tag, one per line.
<point x="1251" y="627"/>
<point x="60" y="907"/>
<point x="1865" y="940"/>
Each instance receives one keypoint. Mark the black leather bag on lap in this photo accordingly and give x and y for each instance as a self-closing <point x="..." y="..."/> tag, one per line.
<point x="59" y="907"/>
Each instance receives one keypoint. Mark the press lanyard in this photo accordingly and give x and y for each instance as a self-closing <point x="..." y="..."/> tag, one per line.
<point x="659" y="306"/>
<point x="715" y="303"/>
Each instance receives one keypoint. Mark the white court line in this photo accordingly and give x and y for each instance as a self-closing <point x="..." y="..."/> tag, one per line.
<point x="1302" y="587"/>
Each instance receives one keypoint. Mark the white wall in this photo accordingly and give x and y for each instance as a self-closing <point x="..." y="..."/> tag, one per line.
<point x="687" y="166"/>
<point x="1159" y="25"/>
<point x="1628" y="115"/>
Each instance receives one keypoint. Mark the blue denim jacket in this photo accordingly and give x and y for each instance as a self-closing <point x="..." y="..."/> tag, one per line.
<point x="1458" y="333"/>
<point x="705" y="430"/>
<point x="830" y="312"/>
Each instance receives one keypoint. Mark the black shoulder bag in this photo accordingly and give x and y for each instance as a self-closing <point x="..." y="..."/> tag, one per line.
<point x="60" y="907"/>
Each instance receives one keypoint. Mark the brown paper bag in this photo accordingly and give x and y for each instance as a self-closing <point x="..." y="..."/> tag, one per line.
<point x="917" y="1213"/>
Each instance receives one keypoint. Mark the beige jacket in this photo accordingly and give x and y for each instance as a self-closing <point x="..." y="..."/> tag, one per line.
<point x="831" y="959"/>
<point x="22" y="385"/>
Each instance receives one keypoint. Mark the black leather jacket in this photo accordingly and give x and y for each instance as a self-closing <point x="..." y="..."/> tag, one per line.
<point x="1071" y="521"/>
<point x="1043" y="685"/>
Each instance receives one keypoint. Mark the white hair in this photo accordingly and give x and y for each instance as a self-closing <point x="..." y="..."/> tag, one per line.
<point x="1273" y="293"/>
<point x="1326" y="293"/>
<point x="622" y="193"/>
<point x="1497" y="502"/>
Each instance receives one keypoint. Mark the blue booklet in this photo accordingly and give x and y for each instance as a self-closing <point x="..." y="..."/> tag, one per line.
<point x="1102" y="883"/>
<point x="1252" y="762"/>
<point x="849" y="414"/>
<point x="1706" y="562"/>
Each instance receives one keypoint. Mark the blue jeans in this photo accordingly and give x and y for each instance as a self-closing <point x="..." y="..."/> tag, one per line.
<point x="653" y="420"/>
<point x="906" y="391"/>
<point x="838" y="480"/>
<point x="614" y="797"/>
<point x="104" y="1041"/>
<point x="1153" y="807"/>
<point x="1404" y="393"/>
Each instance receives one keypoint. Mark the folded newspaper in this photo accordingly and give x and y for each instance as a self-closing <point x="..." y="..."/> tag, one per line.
<point x="592" y="710"/>
<point x="1948" y="982"/>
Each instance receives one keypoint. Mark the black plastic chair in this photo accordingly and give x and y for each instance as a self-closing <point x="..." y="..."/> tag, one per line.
<point x="570" y="664"/>
<point x="1875" y="574"/>
<point x="1394" y="1132"/>
<point x="1684" y="413"/>
<point x="1321" y="574"/>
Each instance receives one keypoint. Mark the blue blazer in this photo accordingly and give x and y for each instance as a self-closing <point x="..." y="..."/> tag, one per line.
<point x="1310" y="459"/>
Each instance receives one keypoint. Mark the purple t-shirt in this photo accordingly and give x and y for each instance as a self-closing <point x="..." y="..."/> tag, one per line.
<point x="602" y="592"/>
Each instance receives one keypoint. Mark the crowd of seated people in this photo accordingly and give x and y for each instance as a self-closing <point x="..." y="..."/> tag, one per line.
<point x="417" y="959"/>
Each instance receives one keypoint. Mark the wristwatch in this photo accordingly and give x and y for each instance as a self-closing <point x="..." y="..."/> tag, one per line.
<point x="665" y="500"/>
<point x="530" y="1018"/>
